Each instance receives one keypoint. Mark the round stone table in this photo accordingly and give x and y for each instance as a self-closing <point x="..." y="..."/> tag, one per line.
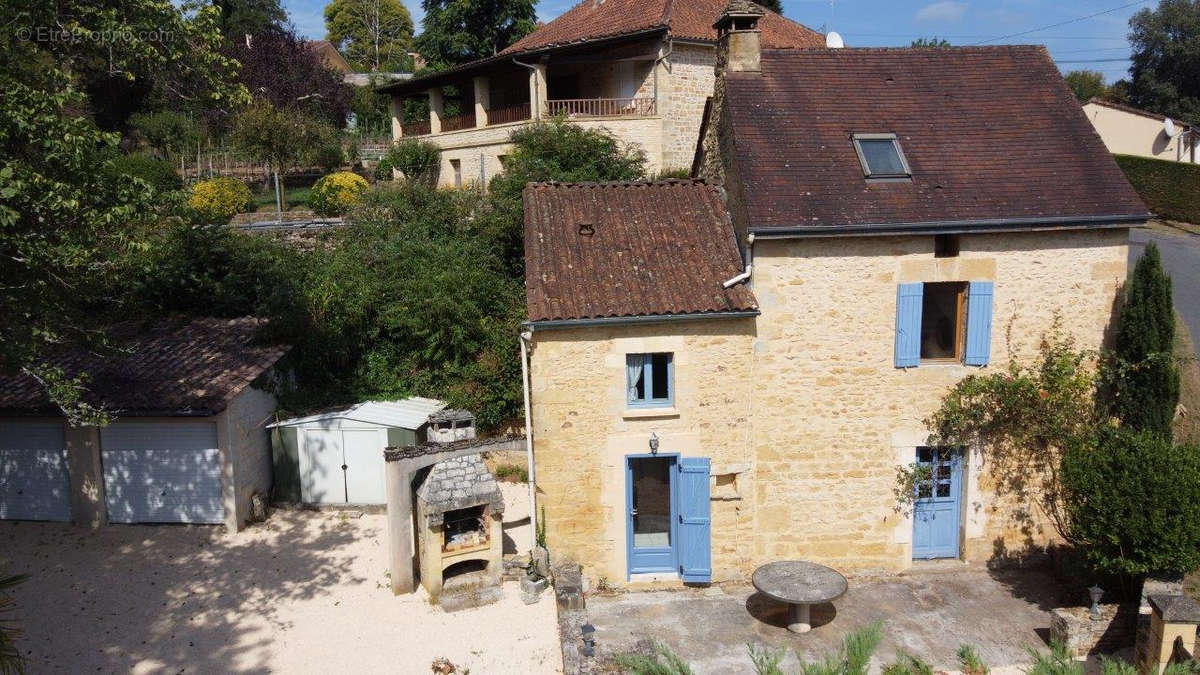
<point x="799" y="584"/>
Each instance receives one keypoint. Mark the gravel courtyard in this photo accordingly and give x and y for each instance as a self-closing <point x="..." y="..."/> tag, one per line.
<point x="302" y="593"/>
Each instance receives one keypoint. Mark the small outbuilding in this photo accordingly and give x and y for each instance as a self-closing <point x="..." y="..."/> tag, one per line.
<point x="336" y="457"/>
<point x="187" y="442"/>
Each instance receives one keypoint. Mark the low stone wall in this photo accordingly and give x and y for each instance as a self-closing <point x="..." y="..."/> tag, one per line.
<point x="1074" y="626"/>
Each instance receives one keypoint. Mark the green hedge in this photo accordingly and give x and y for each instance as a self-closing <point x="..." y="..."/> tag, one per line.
<point x="1170" y="189"/>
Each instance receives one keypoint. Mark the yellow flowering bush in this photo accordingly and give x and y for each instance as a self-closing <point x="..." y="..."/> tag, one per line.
<point x="336" y="193"/>
<point x="219" y="198"/>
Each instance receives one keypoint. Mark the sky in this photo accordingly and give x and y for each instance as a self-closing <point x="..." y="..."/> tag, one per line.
<point x="1095" y="43"/>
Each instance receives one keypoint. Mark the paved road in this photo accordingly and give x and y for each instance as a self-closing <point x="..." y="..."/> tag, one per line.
<point x="1181" y="258"/>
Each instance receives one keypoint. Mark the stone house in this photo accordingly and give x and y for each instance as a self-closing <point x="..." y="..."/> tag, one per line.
<point x="641" y="69"/>
<point x="729" y="371"/>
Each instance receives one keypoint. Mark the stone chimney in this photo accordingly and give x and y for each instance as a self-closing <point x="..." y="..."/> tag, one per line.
<point x="738" y="37"/>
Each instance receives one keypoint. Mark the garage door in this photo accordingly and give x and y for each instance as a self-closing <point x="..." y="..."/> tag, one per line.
<point x="162" y="473"/>
<point x="34" y="483"/>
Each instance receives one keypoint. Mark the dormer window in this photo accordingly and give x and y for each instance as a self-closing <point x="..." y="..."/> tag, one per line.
<point x="881" y="156"/>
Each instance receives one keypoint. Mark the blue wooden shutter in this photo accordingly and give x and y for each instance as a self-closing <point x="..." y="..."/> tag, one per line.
<point x="979" y="323"/>
<point x="695" y="523"/>
<point x="908" y="324"/>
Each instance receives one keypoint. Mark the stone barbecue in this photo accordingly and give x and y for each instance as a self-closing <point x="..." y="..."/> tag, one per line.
<point x="459" y="536"/>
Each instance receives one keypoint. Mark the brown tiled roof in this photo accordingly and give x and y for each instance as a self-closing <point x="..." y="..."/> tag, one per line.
<point x="687" y="19"/>
<point x="990" y="133"/>
<point x="169" y="367"/>
<point x="655" y="249"/>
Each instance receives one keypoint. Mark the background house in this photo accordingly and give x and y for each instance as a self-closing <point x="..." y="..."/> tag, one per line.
<point x="694" y="417"/>
<point x="642" y="69"/>
<point x="188" y="443"/>
<point x="1126" y="130"/>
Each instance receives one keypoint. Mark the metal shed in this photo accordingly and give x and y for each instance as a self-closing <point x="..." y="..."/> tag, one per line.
<point x="336" y="457"/>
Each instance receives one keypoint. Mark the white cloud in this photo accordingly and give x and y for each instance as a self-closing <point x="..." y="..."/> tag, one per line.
<point x="946" y="10"/>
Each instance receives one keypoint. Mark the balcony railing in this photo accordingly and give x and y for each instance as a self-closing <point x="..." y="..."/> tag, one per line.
<point x="459" y="122"/>
<point x="601" y="107"/>
<point x="512" y="113"/>
<point x="416" y="129"/>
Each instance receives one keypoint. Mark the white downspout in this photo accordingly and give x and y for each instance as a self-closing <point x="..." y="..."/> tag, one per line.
<point x="525" y="337"/>
<point x="749" y="263"/>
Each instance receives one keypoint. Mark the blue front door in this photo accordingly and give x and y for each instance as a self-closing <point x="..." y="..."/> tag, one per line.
<point x="936" y="511"/>
<point x="651" y="514"/>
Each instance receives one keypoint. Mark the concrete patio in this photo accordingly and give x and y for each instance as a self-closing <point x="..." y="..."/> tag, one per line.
<point x="928" y="612"/>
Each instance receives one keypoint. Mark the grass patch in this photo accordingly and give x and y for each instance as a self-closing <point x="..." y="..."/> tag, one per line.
<point x="1187" y="427"/>
<point x="511" y="473"/>
<point x="265" y="201"/>
<point x="1168" y="188"/>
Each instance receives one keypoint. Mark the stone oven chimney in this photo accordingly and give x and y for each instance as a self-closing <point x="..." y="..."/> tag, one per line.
<point x="738" y="37"/>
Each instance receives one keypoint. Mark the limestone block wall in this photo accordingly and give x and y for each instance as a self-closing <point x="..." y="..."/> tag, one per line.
<point x="833" y="418"/>
<point x="687" y="87"/>
<point x="582" y="433"/>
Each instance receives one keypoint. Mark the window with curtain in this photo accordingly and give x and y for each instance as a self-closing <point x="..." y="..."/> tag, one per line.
<point x="650" y="380"/>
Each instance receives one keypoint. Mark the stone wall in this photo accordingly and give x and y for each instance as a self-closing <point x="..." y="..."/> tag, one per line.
<point x="248" y="442"/>
<point x="1081" y="634"/>
<point x="689" y="85"/>
<point x="801" y="411"/>
<point x="833" y="418"/>
<point x="583" y="432"/>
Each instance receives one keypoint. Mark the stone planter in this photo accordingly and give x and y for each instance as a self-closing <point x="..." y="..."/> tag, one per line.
<point x="1114" y="630"/>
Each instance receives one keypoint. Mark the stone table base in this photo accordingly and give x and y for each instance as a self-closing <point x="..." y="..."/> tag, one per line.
<point x="798" y="618"/>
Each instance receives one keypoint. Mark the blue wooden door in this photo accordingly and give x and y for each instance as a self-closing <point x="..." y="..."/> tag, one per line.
<point x="695" y="522"/>
<point x="936" y="513"/>
<point x="651" y="514"/>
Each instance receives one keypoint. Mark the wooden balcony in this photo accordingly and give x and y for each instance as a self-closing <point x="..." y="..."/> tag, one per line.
<point x="458" y="122"/>
<point x="512" y="113"/>
<point x="416" y="129"/>
<point x="574" y="108"/>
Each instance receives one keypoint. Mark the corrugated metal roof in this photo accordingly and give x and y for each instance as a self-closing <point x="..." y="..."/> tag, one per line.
<point x="410" y="413"/>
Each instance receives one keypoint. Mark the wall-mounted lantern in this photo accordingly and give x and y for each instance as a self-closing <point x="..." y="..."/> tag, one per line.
<point x="653" y="443"/>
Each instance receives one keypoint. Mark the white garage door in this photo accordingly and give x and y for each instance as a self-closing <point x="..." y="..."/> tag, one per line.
<point x="162" y="472"/>
<point x="34" y="482"/>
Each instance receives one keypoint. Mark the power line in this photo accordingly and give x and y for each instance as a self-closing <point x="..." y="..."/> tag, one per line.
<point x="1095" y="60"/>
<point x="1064" y="23"/>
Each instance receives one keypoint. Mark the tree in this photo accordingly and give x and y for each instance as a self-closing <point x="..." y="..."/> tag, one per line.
<point x="374" y="34"/>
<point x="930" y="42"/>
<point x="1165" y="74"/>
<point x="555" y="150"/>
<point x="283" y="137"/>
<point x="281" y="68"/>
<point x="1146" y="379"/>
<point x="458" y="31"/>
<point x="64" y="213"/>
<point x="11" y="658"/>
<point x="772" y="5"/>
<point x="240" y="18"/>
<point x="1131" y="502"/>
<point x="1086" y="84"/>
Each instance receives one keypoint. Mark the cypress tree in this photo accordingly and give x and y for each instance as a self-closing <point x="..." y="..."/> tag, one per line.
<point x="1148" y="391"/>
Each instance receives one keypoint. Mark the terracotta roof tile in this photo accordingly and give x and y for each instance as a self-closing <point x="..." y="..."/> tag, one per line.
<point x="164" y="368"/>
<point x="688" y="19"/>
<point x="989" y="133"/>
<point x="654" y="249"/>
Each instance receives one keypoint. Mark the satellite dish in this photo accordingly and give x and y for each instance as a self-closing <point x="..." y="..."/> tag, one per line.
<point x="1169" y="128"/>
<point x="834" y="41"/>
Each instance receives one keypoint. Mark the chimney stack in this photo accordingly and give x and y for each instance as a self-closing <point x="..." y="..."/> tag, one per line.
<point x="738" y="36"/>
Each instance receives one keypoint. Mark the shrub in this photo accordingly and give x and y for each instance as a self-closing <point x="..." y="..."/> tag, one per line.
<point x="1145" y="378"/>
<point x="512" y="473"/>
<point x="419" y="161"/>
<point x="1131" y="502"/>
<point x="337" y="193"/>
<point x="383" y="170"/>
<point x="158" y="173"/>
<point x="1168" y="188"/>
<point x="219" y="198"/>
